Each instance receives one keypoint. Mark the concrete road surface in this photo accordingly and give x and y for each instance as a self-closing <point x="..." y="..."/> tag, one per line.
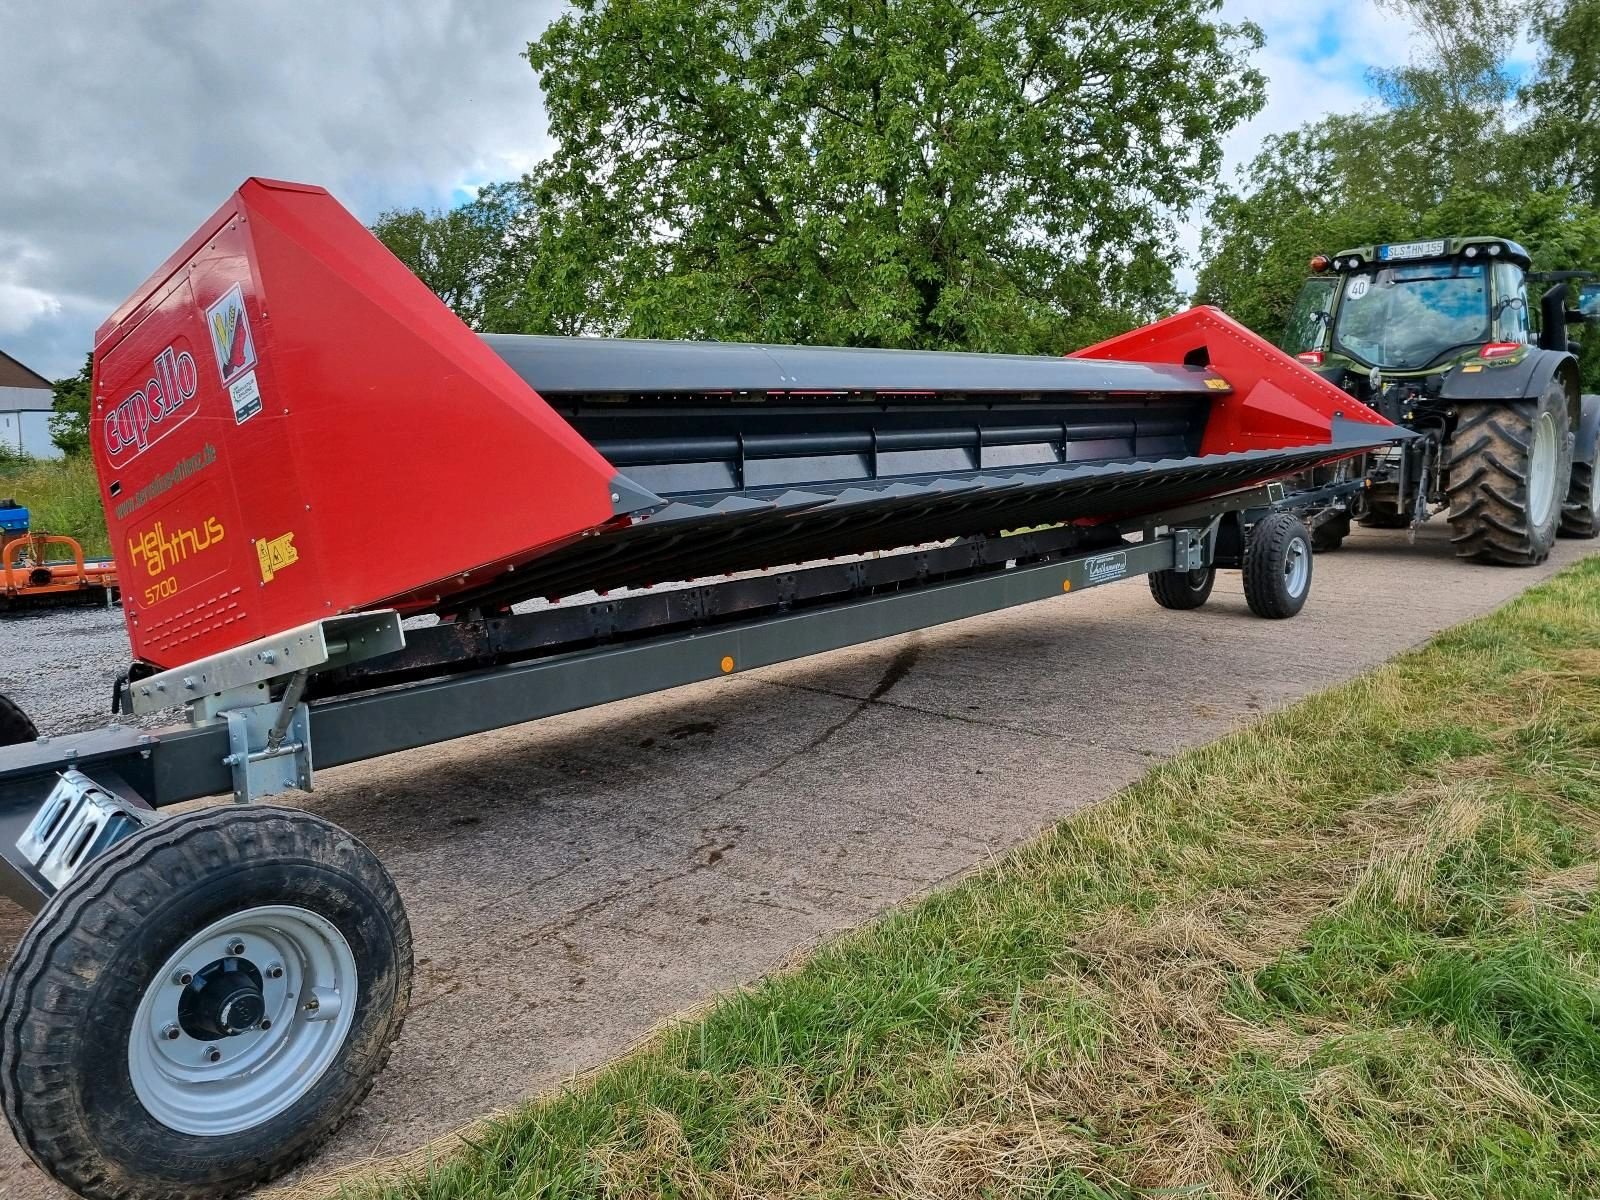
<point x="573" y="882"/>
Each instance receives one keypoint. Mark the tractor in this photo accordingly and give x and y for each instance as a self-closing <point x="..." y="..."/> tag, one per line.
<point x="1439" y="336"/>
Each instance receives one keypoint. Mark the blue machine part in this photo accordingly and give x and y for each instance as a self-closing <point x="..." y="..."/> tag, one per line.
<point x="13" y="518"/>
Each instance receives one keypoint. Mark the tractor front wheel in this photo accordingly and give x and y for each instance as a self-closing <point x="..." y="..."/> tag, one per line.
<point x="1509" y="465"/>
<point x="202" y="1005"/>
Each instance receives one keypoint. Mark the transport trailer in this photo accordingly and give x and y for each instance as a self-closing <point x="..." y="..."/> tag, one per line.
<point x="203" y="997"/>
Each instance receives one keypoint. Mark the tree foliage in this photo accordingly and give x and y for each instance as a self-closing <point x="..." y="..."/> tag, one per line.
<point x="994" y="174"/>
<point x="69" y="422"/>
<point x="461" y="253"/>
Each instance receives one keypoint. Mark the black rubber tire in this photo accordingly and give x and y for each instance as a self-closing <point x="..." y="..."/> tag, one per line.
<point x="1330" y="535"/>
<point x="1182" y="589"/>
<point x="68" y="1001"/>
<point x="1273" y="543"/>
<point x="15" y="728"/>
<point x="1384" y="516"/>
<point x="1488" y="467"/>
<point x="1580" y="515"/>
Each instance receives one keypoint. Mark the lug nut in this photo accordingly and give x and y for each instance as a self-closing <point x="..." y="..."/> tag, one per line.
<point x="183" y="977"/>
<point x="265" y="1023"/>
<point x="212" y="1054"/>
<point x="275" y="971"/>
<point x="313" y="1004"/>
<point x="170" y="1032"/>
<point x="236" y="947"/>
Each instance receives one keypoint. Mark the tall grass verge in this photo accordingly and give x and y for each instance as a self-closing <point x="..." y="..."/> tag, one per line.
<point x="63" y="496"/>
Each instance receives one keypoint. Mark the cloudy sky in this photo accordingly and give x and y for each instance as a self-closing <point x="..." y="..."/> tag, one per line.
<point x="124" y="123"/>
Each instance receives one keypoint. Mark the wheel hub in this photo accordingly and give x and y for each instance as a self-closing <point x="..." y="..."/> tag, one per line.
<point x="1542" y="470"/>
<point x="224" y="1000"/>
<point x="224" y="1046"/>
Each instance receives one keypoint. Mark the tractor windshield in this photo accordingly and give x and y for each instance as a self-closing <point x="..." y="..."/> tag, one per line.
<point x="1406" y="316"/>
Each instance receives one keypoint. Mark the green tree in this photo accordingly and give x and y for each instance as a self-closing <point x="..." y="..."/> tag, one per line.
<point x="1564" y="101"/>
<point x="461" y="253"/>
<point x="990" y="174"/>
<point x="69" y="423"/>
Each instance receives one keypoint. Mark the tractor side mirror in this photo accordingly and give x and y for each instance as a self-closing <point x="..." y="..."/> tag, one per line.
<point x="1553" y="319"/>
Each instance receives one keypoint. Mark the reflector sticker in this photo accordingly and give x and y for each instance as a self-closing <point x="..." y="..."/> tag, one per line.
<point x="246" y="397"/>
<point x="230" y="335"/>
<point x="275" y="554"/>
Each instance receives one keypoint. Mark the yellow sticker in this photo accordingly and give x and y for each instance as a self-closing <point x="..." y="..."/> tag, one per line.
<point x="1472" y="367"/>
<point x="276" y="554"/>
<point x="1217" y="385"/>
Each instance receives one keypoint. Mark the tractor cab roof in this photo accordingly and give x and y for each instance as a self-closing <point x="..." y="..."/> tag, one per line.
<point x="1359" y="257"/>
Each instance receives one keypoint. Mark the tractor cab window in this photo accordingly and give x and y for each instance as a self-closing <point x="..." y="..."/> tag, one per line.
<point x="1511" y="303"/>
<point x="1589" y="300"/>
<point x="1308" y="323"/>
<point x="1404" y="317"/>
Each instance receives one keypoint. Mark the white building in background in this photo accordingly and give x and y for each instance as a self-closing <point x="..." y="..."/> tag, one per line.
<point x="25" y="399"/>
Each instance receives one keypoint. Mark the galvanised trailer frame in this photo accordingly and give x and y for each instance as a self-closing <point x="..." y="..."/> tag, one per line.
<point x="677" y="638"/>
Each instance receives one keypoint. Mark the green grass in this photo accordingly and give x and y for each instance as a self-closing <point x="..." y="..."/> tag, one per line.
<point x="1352" y="951"/>
<point x="62" y="495"/>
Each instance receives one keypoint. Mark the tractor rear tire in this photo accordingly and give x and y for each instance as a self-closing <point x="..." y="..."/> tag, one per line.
<point x="15" y="728"/>
<point x="1182" y="589"/>
<point x="1580" y="515"/>
<point x="202" y="1005"/>
<point x="1277" y="566"/>
<point x="1509" y="462"/>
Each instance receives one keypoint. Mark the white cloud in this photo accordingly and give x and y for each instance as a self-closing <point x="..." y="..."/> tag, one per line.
<point x="122" y="126"/>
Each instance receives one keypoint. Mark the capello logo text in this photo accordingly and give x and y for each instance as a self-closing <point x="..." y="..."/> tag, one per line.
<point x="147" y="414"/>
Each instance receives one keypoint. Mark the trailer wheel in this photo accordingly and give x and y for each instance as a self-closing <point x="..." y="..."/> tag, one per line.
<point x="1182" y="589"/>
<point x="1277" y="566"/>
<point x="202" y="1006"/>
<point x="15" y="728"/>
<point x="1509" y="466"/>
<point x="1330" y="535"/>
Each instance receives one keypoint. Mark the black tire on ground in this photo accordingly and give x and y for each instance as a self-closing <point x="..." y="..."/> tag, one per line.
<point x="1492" y="516"/>
<point x="1580" y="515"/>
<point x="1330" y="535"/>
<point x="68" y="1003"/>
<point x="1384" y="516"/>
<point x="1277" y="566"/>
<point x="15" y="728"/>
<point x="1182" y="589"/>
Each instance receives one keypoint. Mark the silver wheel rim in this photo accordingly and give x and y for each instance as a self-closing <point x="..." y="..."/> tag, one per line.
<point x="216" y="1085"/>
<point x="1542" y="470"/>
<point x="1296" y="567"/>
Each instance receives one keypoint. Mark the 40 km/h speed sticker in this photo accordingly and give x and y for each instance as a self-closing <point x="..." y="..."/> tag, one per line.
<point x="1358" y="288"/>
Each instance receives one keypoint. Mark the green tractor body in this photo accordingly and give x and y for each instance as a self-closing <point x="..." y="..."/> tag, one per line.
<point x="1439" y="336"/>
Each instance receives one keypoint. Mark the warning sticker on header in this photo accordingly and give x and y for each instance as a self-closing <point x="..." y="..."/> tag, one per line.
<point x="246" y="397"/>
<point x="230" y="335"/>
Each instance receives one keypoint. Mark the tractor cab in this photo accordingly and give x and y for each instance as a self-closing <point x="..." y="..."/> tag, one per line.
<point x="1412" y="310"/>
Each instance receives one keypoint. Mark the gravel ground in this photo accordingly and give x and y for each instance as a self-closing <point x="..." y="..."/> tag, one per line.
<point x="573" y="882"/>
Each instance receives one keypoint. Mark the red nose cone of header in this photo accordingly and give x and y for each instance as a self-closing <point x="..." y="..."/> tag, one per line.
<point x="287" y="423"/>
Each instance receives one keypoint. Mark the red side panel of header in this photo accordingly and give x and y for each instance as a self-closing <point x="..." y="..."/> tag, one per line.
<point x="1275" y="401"/>
<point x="287" y="423"/>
